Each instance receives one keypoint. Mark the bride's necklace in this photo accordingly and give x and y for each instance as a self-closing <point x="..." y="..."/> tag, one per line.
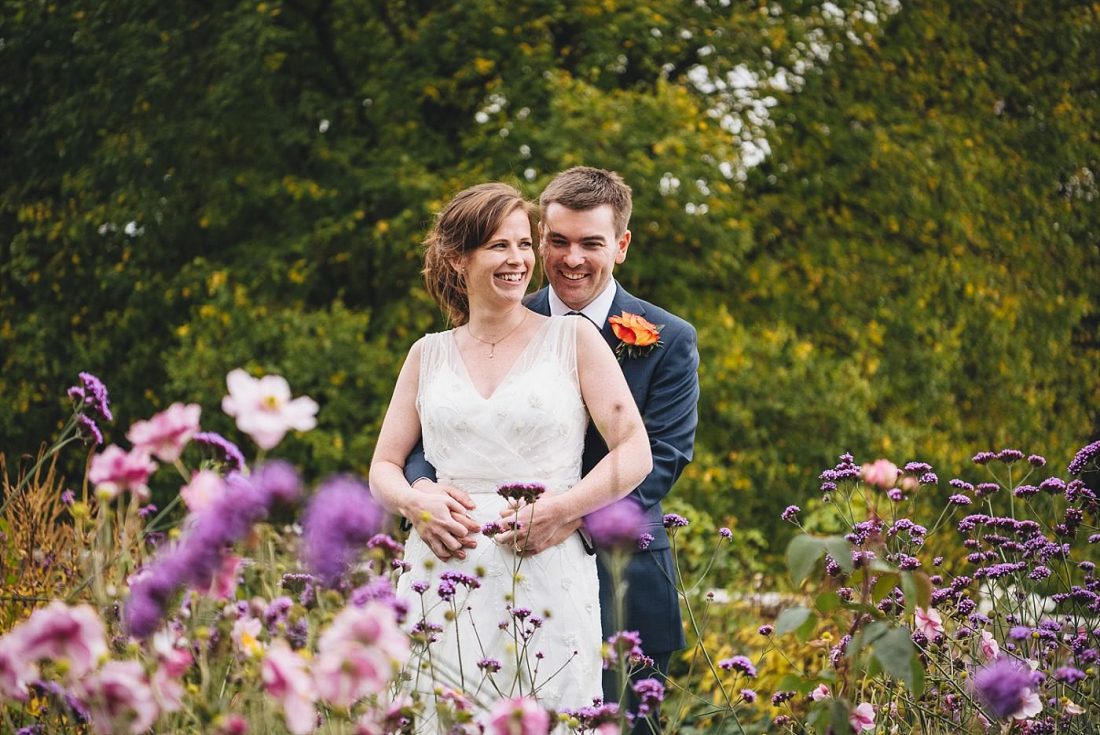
<point x="493" y="343"/>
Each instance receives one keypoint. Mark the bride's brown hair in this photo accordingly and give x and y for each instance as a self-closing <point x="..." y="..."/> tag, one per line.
<point x="465" y="224"/>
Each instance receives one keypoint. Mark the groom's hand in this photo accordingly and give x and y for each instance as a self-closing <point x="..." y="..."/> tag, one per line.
<point x="441" y="517"/>
<point x="541" y="527"/>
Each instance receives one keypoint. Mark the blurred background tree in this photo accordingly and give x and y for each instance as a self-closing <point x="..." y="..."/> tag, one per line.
<point x="882" y="218"/>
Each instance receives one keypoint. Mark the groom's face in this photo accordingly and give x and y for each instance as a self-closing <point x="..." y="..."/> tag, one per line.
<point x="580" y="251"/>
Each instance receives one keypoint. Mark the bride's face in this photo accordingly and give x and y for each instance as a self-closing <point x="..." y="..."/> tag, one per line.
<point x="500" y="269"/>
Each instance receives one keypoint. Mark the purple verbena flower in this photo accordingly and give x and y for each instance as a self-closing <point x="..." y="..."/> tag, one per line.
<point x="528" y="492"/>
<point x="674" y="520"/>
<point x="226" y="451"/>
<point x="1002" y="686"/>
<point x="489" y="665"/>
<point x="616" y="525"/>
<point x="790" y="513"/>
<point x="340" y="519"/>
<point x="1084" y="455"/>
<point x="94" y="393"/>
<point x="1036" y="460"/>
<point x="89" y="430"/>
<point x="725" y="533"/>
<point x="983" y="457"/>
<point x="279" y="481"/>
<point x="740" y="664"/>
<point x="645" y="540"/>
<point x="959" y="499"/>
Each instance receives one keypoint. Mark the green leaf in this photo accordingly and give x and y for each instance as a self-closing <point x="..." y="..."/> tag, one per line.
<point x="826" y="602"/>
<point x="791" y="619"/>
<point x="802" y="553"/>
<point x="894" y="651"/>
<point x="883" y="586"/>
<point x="839" y="716"/>
<point x="841" y="551"/>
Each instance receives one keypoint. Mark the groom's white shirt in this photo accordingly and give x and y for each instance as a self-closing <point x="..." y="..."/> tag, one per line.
<point x="596" y="311"/>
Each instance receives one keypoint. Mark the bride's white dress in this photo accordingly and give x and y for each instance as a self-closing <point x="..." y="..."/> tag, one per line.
<point x="530" y="430"/>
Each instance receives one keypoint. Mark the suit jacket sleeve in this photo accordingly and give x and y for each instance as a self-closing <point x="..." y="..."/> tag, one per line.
<point x="671" y="414"/>
<point x="417" y="466"/>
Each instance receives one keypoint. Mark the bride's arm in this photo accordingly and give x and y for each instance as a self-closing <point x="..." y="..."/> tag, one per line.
<point x="626" y="464"/>
<point x="440" y="519"/>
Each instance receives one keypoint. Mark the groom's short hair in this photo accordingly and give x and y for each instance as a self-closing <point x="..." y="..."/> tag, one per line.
<point x="585" y="187"/>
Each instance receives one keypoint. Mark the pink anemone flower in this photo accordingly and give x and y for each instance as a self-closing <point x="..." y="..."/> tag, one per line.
<point x="115" y="470"/>
<point x="518" y="716"/>
<point x="167" y="433"/>
<point x="264" y="409"/>
<point x="286" y="678"/>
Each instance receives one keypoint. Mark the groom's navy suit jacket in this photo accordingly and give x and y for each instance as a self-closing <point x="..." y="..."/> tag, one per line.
<point x="665" y="385"/>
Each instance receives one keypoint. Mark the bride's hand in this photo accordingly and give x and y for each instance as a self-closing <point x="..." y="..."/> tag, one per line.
<point x="439" y="513"/>
<point x="540" y="527"/>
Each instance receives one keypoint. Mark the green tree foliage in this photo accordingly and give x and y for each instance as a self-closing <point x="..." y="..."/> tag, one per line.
<point x="909" y="270"/>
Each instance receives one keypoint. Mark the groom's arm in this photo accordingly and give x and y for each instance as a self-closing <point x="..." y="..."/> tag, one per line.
<point x="417" y="466"/>
<point x="671" y="414"/>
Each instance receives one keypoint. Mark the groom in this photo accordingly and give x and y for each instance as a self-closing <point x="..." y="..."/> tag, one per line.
<point x="583" y="235"/>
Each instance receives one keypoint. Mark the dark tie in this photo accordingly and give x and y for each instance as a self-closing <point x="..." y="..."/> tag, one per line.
<point x="578" y="313"/>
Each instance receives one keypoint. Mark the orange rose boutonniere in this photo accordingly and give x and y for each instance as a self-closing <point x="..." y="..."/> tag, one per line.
<point x="637" y="337"/>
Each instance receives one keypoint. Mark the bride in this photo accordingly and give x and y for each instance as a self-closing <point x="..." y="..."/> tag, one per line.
<point x="503" y="399"/>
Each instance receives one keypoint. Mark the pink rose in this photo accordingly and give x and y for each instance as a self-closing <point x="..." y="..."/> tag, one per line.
<point x="862" y="717"/>
<point x="167" y="433"/>
<point x="264" y="409"/>
<point x="205" y="487"/>
<point x="114" y="470"/>
<point x="881" y="473"/>
<point x="518" y="716"/>
<point x="928" y="622"/>
<point x="120" y="699"/>
<point x="286" y="678"/>
<point x="820" y="692"/>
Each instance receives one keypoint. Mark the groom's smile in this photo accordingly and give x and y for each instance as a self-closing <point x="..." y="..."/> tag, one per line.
<point x="579" y="250"/>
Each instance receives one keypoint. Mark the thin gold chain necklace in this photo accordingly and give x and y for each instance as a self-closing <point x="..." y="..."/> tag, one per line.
<point x="493" y="344"/>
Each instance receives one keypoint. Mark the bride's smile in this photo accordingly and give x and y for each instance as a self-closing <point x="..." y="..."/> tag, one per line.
<point x="501" y="268"/>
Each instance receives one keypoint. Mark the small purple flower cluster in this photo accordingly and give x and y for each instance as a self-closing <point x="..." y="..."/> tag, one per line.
<point x="740" y="664"/>
<point x="527" y="492"/>
<point x="845" y="469"/>
<point x="200" y="552"/>
<point x="616" y="525"/>
<point x="225" y="451"/>
<point x="1084" y="456"/>
<point x="92" y="393"/>
<point x="341" y="518"/>
<point x="450" y="580"/>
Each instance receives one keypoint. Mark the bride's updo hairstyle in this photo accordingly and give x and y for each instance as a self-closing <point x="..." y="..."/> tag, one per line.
<point x="465" y="224"/>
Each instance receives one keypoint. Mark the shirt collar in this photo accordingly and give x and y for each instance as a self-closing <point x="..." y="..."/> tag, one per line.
<point x="597" y="309"/>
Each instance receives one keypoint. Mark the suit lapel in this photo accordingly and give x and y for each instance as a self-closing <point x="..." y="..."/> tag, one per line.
<point x="539" y="302"/>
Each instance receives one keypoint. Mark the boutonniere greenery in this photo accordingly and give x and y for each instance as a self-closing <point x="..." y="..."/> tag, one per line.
<point x="637" y="337"/>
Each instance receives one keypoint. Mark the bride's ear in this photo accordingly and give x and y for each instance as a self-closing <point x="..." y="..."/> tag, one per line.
<point x="458" y="264"/>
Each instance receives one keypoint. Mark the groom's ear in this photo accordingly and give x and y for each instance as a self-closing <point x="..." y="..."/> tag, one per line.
<point x="622" y="246"/>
